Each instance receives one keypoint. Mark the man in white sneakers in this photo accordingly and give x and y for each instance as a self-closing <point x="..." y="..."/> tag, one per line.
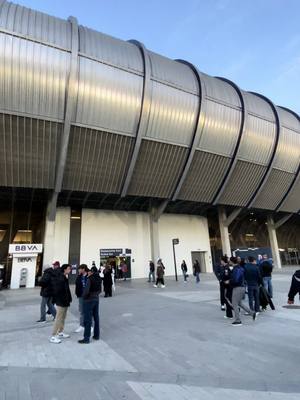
<point x="62" y="298"/>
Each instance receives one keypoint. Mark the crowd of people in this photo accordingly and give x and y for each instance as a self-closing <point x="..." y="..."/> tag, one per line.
<point x="57" y="298"/>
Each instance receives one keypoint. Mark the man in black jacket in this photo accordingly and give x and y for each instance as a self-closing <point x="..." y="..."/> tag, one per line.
<point x="295" y="287"/>
<point x="46" y="284"/>
<point x="80" y="285"/>
<point x="62" y="298"/>
<point x="91" y="306"/>
<point x="219" y="272"/>
<point x="254" y="280"/>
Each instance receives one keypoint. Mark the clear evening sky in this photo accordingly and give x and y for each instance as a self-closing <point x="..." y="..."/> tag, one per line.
<point x="255" y="43"/>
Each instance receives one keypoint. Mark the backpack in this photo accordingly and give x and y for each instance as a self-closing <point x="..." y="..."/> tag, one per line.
<point x="237" y="277"/>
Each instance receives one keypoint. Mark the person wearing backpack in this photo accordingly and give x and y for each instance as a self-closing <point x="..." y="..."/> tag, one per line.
<point x="266" y="268"/>
<point x="237" y="282"/>
<point x="46" y="293"/>
<point x="254" y="280"/>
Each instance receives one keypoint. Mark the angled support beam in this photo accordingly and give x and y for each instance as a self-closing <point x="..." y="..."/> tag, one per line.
<point x="282" y="221"/>
<point x="272" y="158"/>
<point x="238" y="142"/>
<point x="144" y="115"/>
<point x="224" y="223"/>
<point x="232" y="216"/>
<point x="273" y="242"/>
<point x="156" y="212"/>
<point x="70" y="107"/>
<point x="198" y="128"/>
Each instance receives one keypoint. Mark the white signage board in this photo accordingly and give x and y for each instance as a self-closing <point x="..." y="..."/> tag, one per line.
<point x="25" y="248"/>
<point x="23" y="271"/>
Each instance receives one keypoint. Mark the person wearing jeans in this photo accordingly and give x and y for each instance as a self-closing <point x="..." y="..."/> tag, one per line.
<point x="62" y="298"/>
<point x="184" y="271"/>
<point x="80" y="285"/>
<point x="253" y="280"/>
<point x="46" y="293"/>
<point x="151" y="271"/>
<point x="197" y="270"/>
<point x="266" y="268"/>
<point x="91" y="306"/>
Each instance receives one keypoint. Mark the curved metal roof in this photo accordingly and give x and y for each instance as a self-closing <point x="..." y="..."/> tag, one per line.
<point x="82" y="111"/>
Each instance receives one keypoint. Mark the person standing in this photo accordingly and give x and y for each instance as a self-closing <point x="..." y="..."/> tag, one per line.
<point x="237" y="282"/>
<point x="219" y="272"/>
<point x="253" y="280"/>
<point x="151" y="271"/>
<point x="184" y="271"/>
<point x="295" y="287"/>
<point x="266" y="269"/>
<point x="107" y="281"/>
<point x="91" y="306"/>
<point x="62" y="298"/>
<point x="46" y="284"/>
<point x="124" y="270"/>
<point x="80" y="285"/>
<point x="225" y="276"/>
<point x="196" y="270"/>
<point x="160" y="274"/>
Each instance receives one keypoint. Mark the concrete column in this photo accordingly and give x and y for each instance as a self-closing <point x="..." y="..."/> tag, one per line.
<point x="49" y="243"/>
<point x="274" y="243"/>
<point x="226" y="248"/>
<point x="154" y="238"/>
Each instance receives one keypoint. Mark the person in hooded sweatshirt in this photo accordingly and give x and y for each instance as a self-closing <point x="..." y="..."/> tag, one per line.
<point x="91" y="306"/>
<point x="295" y="287"/>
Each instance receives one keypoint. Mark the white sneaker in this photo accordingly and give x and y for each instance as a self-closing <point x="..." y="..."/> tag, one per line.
<point x="54" y="339"/>
<point x="79" y="329"/>
<point x="63" y="335"/>
<point x="92" y="329"/>
<point x="154" y="285"/>
<point x="163" y="286"/>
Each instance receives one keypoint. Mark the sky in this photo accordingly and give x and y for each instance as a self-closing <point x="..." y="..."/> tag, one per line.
<point x="255" y="43"/>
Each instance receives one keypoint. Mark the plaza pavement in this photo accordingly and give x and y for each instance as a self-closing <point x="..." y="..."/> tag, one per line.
<point x="156" y="344"/>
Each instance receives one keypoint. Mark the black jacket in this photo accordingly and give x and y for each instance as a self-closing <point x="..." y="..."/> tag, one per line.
<point x="295" y="285"/>
<point x="61" y="290"/>
<point x="151" y="266"/>
<point x="252" y="274"/>
<point x="93" y="287"/>
<point x="46" y="282"/>
<point x="107" y="279"/>
<point x="78" y="285"/>
<point x="225" y="275"/>
<point x="266" y="268"/>
<point x="196" y="267"/>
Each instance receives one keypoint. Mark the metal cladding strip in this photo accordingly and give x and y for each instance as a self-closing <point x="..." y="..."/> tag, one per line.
<point x="234" y="156"/>
<point x="272" y="158"/>
<point x="70" y="105"/>
<point x="298" y="170"/>
<point x="2" y="2"/>
<point x="197" y="131"/>
<point x="144" y="116"/>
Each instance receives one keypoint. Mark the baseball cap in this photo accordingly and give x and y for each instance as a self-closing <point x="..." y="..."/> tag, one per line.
<point x="56" y="263"/>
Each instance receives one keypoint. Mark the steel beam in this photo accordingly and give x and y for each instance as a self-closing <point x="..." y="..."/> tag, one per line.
<point x="197" y="131"/>
<point x="144" y="115"/>
<point x="70" y="107"/>
<point x="272" y="158"/>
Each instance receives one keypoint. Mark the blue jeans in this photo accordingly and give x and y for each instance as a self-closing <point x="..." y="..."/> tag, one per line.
<point x="197" y="277"/>
<point x="90" y="312"/>
<point x="268" y="285"/>
<point x="151" y="274"/>
<point x="253" y="296"/>
<point x="47" y="301"/>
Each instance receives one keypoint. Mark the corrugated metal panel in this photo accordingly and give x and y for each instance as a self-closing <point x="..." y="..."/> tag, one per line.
<point x="258" y="106"/>
<point x="35" y="24"/>
<point x="34" y="78"/>
<point x="273" y="191"/>
<point x="108" y="98"/>
<point x="204" y="177"/>
<point x="258" y="140"/>
<point x="173" y="73"/>
<point x="220" y="90"/>
<point x="157" y="169"/>
<point x="242" y="184"/>
<point x="28" y="151"/>
<point x="288" y="119"/>
<point x="292" y="202"/>
<point x="173" y="114"/>
<point x="110" y="50"/>
<point x="288" y="151"/>
<point x="96" y="160"/>
<point x="221" y="129"/>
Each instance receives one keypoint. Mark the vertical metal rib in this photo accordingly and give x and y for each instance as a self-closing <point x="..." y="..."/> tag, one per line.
<point x="144" y="116"/>
<point x="70" y="106"/>
<point x="234" y="156"/>
<point x="272" y="158"/>
<point x="197" y="131"/>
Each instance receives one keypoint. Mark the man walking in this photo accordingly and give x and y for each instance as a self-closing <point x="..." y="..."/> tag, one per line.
<point x="151" y="271"/>
<point x="253" y="279"/>
<point x="219" y="272"/>
<point x="237" y="282"/>
<point x="80" y="285"/>
<point x="91" y="306"/>
<point x="46" y="284"/>
<point x="196" y="270"/>
<point x="62" y="298"/>
<point x="266" y="268"/>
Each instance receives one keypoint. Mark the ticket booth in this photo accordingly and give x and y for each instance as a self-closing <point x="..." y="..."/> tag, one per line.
<point x="24" y="264"/>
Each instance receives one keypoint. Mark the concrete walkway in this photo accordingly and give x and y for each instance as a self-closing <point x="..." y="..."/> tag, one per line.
<point x="162" y="344"/>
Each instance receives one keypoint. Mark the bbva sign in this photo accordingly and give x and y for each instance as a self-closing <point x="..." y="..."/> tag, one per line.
<point x="25" y="248"/>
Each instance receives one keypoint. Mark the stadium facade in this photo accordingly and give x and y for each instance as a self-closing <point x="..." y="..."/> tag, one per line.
<point x="106" y="146"/>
